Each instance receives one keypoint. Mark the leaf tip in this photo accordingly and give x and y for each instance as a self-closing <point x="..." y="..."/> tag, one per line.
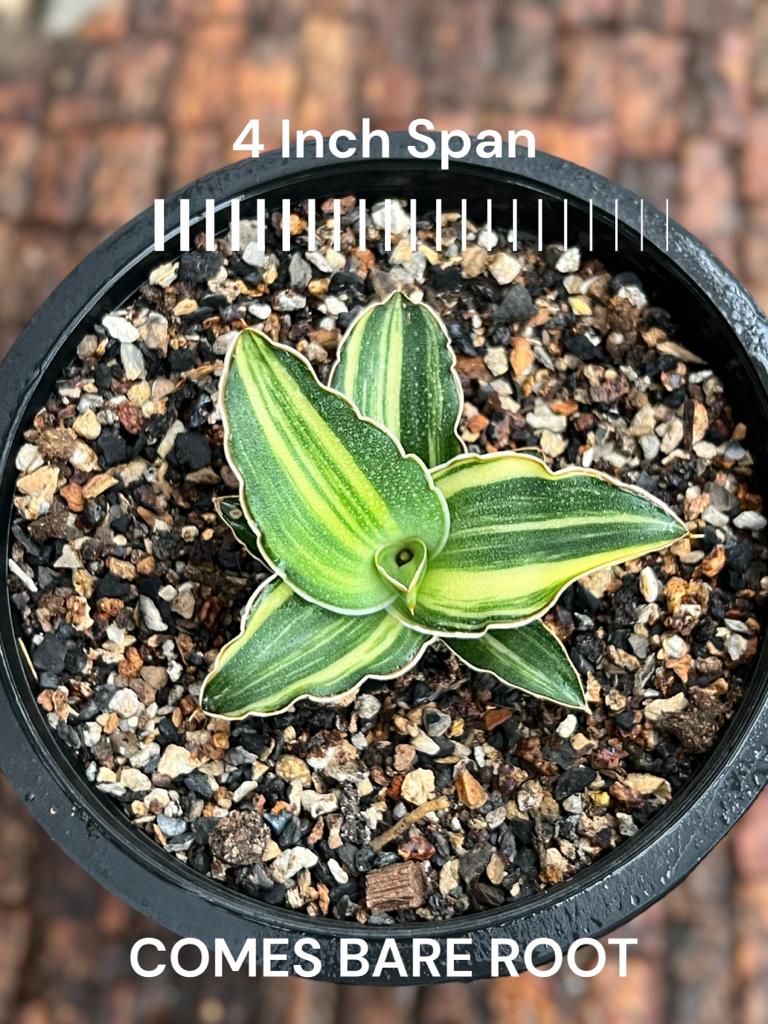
<point x="399" y="295"/>
<point x="250" y="338"/>
<point x="678" y="530"/>
<point x="212" y="697"/>
<point x="207" y="704"/>
<point x="573" y="695"/>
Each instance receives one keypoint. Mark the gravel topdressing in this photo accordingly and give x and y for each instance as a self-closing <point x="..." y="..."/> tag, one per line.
<point x="470" y="794"/>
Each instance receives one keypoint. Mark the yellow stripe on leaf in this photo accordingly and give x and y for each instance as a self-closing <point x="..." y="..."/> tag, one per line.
<point x="323" y="487"/>
<point x="396" y="365"/>
<point x="520" y="534"/>
<point x="290" y="649"/>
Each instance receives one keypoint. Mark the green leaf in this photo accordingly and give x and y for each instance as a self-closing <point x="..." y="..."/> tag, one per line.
<point x="231" y="511"/>
<point x="323" y="487"/>
<point x="521" y="533"/>
<point x="290" y="649"/>
<point x="397" y="365"/>
<point x="530" y="658"/>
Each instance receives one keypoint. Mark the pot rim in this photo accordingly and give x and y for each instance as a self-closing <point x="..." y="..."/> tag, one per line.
<point x="91" y="828"/>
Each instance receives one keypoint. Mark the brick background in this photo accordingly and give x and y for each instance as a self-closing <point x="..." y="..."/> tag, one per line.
<point x="669" y="97"/>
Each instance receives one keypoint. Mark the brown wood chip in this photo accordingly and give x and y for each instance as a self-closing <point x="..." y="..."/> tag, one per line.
<point x="395" y="887"/>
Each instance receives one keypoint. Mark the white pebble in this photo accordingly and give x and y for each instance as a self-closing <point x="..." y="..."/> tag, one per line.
<point x="91" y="733"/>
<point x="133" y="362"/>
<point x="367" y="706"/>
<point x="673" y="435"/>
<point x="164" y="275"/>
<point x="28" y="458"/>
<point x="505" y="268"/>
<point x="418" y="786"/>
<point x="626" y="824"/>
<point x="184" y="603"/>
<point x="487" y="239"/>
<point x="705" y="450"/>
<point x="567" y="727"/>
<point x="256" y="257"/>
<point x="119" y="328"/>
<point x="25" y="578"/>
<point x="552" y="444"/>
<point x="542" y="418"/>
<point x="125" y="703"/>
<point x="573" y="804"/>
<point x="316" y="804"/>
<point x="713" y="517"/>
<point x="176" y="761"/>
<point x="260" y="310"/>
<point x="243" y="790"/>
<point x="674" y="645"/>
<point x="166" y="445"/>
<point x="291" y="862"/>
<point x="750" y="521"/>
<point x="649" y="585"/>
<point x="569" y="262"/>
<point x="398" y="218"/>
<point x="288" y="301"/>
<point x="736" y="647"/>
<point x="317" y="259"/>
<point x="334" y="305"/>
<point x="496" y="360"/>
<point x="135" y="781"/>
<point x="651" y="446"/>
<point x="153" y="620"/>
<point x="337" y="871"/>
<point x="633" y="295"/>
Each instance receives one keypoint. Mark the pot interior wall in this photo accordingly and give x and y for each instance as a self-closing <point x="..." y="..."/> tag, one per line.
<point x="702" y="328"/>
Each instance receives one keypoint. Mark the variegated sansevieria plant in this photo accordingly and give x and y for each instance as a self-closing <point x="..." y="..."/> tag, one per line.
<point x="385" y="534"/>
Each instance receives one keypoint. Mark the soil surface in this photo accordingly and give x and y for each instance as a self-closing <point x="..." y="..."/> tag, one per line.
<point x="127" y="583"/>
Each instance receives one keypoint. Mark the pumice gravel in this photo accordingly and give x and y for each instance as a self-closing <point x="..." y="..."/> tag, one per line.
<point x="442" y="791"/>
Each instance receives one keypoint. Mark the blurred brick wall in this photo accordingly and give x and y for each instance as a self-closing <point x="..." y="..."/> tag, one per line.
<point x="669" y="97"/>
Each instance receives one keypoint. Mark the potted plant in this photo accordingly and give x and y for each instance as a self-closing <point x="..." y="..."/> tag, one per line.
<point x="126" y="362"/>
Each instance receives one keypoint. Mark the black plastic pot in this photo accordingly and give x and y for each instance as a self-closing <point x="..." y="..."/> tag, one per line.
<point x="702" y="296"/>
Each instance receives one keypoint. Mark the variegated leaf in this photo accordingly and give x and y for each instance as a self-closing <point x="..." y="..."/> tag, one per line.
<point x="530" y="658"/>
<point x="324" y="488"/>
<point x="520" y="534"/>
<point x="290" y="649"/>
<point x="231" y="511"/>
<point x="396" y="364"/>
